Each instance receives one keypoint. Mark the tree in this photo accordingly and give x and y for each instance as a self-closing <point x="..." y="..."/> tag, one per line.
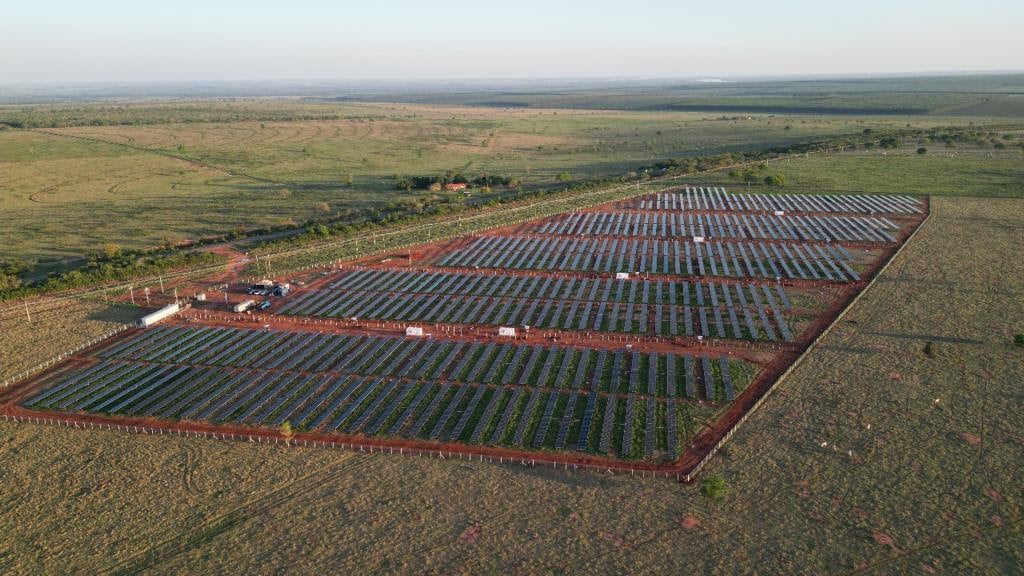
<point x="714" y="487"/>
<point x="1018" y="340"/>
<point x="750" y="178"/>
<point x="347" y="180"/>
<point x="775" y="180"/>
<point x="922" y="151"/>
<point x="928" y="350"/>
<point x="287" y="432"/>
<point x="323" y="207"/>
<point x="563" y="177"/>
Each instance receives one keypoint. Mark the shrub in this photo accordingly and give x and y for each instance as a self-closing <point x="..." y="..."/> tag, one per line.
<point x="928" y="351"/>
<point x="714" y="487"/>
<point x="922" y="150"/>
<point x="890" y="142"/>
<point x="1018" y="340"/>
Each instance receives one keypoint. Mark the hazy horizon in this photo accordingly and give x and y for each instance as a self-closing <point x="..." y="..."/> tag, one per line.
<point x="59" y="42"/>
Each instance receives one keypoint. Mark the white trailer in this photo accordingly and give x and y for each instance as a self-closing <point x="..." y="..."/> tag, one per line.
<point x="154" y="317"/>
<point x="506" y="331"/>
<point x="413" y="331"/>
<point x="243" y="306"/>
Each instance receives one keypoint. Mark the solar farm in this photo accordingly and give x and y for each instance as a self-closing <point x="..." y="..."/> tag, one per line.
<point x="629" y="335"/>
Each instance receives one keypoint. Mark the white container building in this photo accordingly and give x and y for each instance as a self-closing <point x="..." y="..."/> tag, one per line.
<point x="154" y="317"/>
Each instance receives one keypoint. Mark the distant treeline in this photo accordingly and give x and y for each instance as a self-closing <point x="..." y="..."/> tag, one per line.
<point x="791" y="109"/>
<point x="437" y="181"/>
<point x="68" y="117"/>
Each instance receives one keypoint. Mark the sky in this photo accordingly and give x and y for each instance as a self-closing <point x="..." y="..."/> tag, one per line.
<point x="48" y="41"/>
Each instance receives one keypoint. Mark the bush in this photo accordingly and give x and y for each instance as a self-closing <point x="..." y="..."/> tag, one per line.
<point x="714" y="487"/>
<point x="287" y="432"/>
<point x="928" y="350"/>
<point x="1018" y="340"/>
<point x="890" y="142"/>
<point x="922" y="151"/>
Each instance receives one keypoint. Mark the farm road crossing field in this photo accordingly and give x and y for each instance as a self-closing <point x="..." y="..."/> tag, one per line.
<point x="930" y="486"/>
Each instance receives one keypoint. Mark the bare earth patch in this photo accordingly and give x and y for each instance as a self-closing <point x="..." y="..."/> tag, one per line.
<point x="970" y="438"/>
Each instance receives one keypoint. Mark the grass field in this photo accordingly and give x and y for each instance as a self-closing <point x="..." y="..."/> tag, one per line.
<point x="204" y="168"/>
<point x="53" y="330"/>
<point x="948" y="172"/>
<point x="931" y="482"/>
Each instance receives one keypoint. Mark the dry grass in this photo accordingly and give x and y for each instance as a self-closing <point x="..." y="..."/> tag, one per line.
<point x="915" y="495"/>
<point x="55" y="328"/>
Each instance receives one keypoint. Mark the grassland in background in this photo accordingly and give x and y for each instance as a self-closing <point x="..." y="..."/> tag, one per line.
<point x="965" y="171"/>
<point x="67" y="191"/>
<point x="987" y="95"/>
<point x="931" y="481"/>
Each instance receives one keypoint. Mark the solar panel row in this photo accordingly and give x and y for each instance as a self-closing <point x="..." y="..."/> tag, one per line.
<point x="717" y="198"/>
<point x="738" y="226"/>
<point x="784" y="259"/>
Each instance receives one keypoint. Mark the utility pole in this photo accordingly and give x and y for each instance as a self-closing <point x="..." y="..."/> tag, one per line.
<point x="27" y="315"/>
<point x="131" y="294"/>
<point x="161" y="276"/>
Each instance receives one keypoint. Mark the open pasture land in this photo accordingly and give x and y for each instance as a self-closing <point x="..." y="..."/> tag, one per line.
<point x="930" y="486"/>
<point x="200" y="169"/>
<point x="962" y="171"/>
<point x="636" y="344"/>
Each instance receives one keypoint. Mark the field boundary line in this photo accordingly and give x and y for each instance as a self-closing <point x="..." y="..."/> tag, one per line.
<point x="275" y="438"/>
